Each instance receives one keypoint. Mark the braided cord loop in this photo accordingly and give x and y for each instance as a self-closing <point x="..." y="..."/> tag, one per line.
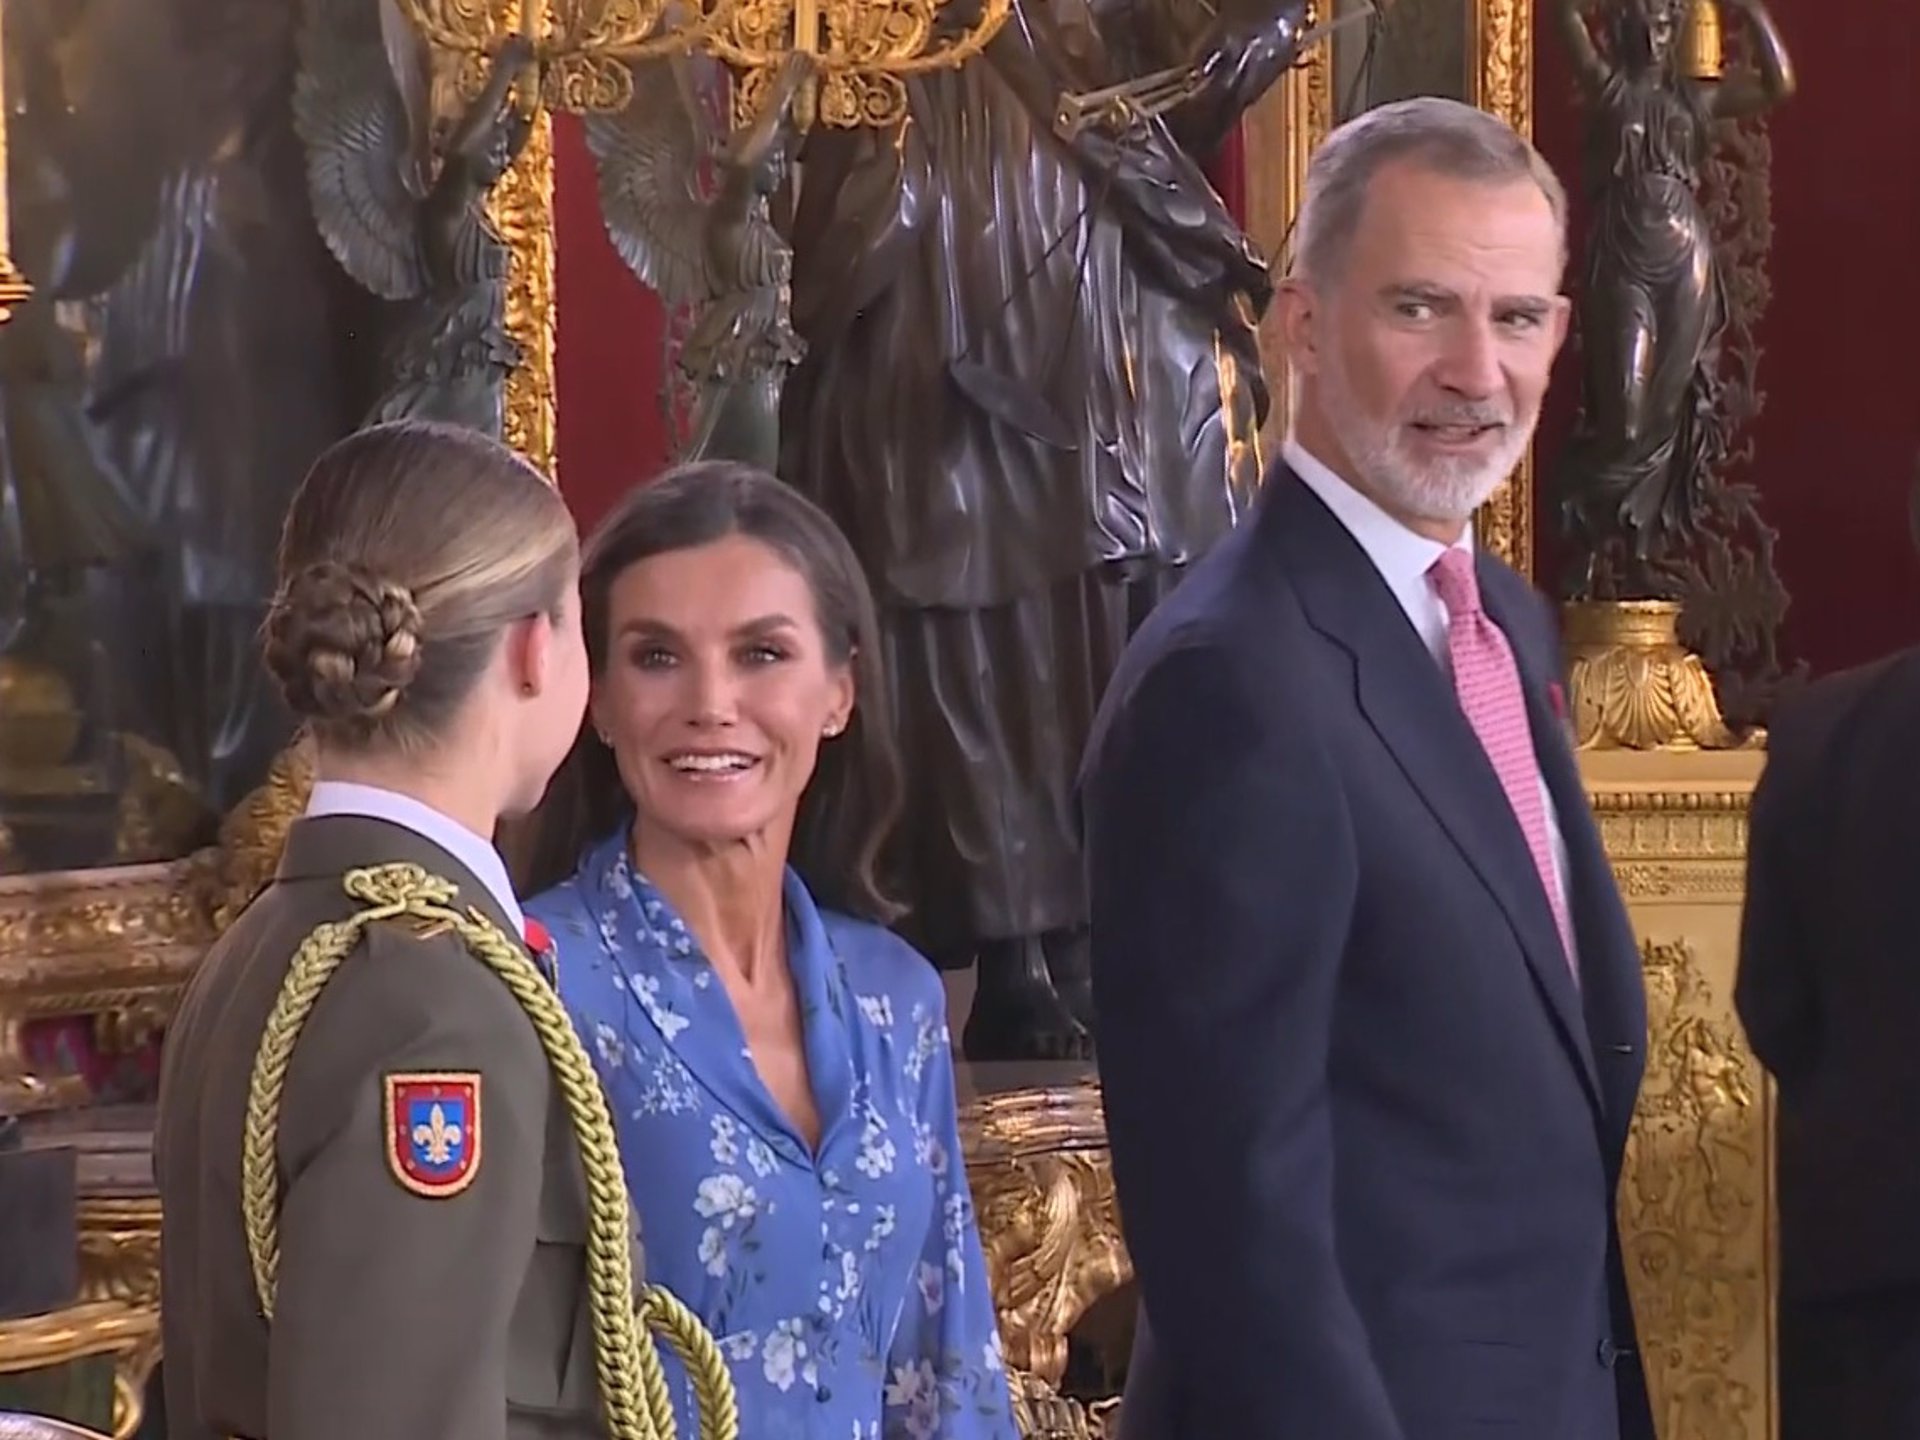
<point x="633" y="1384"/>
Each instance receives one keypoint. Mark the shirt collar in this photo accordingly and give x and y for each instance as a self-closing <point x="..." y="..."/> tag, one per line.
<point x="1402" y="557"/>
<point x="342" y="797"/>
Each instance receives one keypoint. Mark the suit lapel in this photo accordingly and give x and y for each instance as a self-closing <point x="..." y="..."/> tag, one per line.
<point x="1609" y="953"/>
<point x="1408" y="701"/>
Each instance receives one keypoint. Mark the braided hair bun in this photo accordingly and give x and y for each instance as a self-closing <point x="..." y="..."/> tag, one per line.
<point x="343" y="644"/>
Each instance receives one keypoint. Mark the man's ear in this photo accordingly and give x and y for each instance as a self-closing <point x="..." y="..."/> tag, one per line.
<point x="1299" y="315"/>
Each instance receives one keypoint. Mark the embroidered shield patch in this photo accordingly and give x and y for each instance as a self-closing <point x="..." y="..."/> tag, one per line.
<point x="433" y="1130"/>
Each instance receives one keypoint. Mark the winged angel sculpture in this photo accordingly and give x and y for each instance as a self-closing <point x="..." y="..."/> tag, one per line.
<point x="406" y="217"/>
<point x="691" y="215"/>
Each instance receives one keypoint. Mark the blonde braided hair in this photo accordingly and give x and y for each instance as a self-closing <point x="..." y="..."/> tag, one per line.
<point x="633" y="1387"/>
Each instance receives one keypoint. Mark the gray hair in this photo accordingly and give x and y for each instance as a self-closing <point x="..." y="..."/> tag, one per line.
<point x="1441" y="136"/>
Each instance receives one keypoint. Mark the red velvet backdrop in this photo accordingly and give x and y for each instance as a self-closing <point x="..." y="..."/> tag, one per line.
<point x="608" y="357"/>
<point x="1837" y="442"/>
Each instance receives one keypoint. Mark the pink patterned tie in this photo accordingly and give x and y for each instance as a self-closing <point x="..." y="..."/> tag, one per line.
<point x="1488" y="683"/>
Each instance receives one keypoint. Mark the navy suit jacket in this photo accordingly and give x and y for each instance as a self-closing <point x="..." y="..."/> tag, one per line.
<point x="1827" y="989"/>
<point x="1366" y="1128"/>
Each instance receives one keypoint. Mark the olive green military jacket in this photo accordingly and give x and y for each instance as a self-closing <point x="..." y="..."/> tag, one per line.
<point x="433" y="1214"/>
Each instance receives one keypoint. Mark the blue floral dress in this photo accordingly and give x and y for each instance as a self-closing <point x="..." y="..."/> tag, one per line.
<point x="846" y="1287"/>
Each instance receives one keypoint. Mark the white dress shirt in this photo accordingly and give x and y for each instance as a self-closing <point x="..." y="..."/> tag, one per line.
<point x="1403" y="559"/>
<point x="340" y="797"/>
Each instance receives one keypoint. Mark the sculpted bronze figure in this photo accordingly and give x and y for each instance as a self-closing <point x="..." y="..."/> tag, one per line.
<point x="1652" y="434"/>
<point x="1030" y="396"/>
<point x="708" y="247"/>
<point x="406" y="217"/>
<point x="173" y="374"/>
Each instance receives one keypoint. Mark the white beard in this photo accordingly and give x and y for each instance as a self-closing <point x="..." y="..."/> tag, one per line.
<point x="1444" y="491"/>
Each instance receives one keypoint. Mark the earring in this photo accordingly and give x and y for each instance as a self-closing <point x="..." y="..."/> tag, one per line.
<point x="834" y="727"/>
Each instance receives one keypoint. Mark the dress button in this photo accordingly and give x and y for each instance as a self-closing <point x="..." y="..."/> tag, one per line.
<point x="823" y="1395"/>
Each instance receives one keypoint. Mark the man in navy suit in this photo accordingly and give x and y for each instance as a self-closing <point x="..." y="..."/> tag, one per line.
<point x="1371" y="1022"/>
<point x="1828" y="993"/>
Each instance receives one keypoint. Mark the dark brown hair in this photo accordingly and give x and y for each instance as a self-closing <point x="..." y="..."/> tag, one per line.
<point x="849" y="808"/>
<point x="407" y="550"/>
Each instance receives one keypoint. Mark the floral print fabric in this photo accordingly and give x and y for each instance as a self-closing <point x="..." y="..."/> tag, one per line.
<point x="846" y="1286"/>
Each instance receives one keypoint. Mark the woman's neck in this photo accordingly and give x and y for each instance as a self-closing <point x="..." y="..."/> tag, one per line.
<point x="431" y="779"/>
<point x="732" y="899"/>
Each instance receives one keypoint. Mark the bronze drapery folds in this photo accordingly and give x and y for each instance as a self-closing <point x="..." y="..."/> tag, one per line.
<point x="1030" y="395"/>
<point x="691" y="215"/>
<point x="1647" y="506"/>
<point x="406" y="218"/>
<point x="166" y="386"/>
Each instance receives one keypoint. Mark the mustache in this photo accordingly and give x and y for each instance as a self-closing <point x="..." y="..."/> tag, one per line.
<point x="1462" y="413"/>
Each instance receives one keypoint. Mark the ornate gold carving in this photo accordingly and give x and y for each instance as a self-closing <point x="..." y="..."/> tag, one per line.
<point x="1702" y="58"/>
<point x="1693" y="1204"/>
<point x="1666" y="882"/>
<point x="120" y="1250"/>
<point x="1288" y="122"/>
<point x="160" y="811"/>
<point x="571" y="39"/>
<point x="863" y="52"/>
<point x="521" y="208"/>
<point x="253" y="835"/>
<point x="1634" y="686"/>
<point x="1503" y="43"/>
<point x="1680" y="844"/>
<point x="128" y="1333"/>
<point x="92" y="942"/>
<point x="75" y="1333"/>
<point x="1502" y="82"/>
<point x="1042" y="1413"/>
<point x="1043" y="1191"/>
<point x="14" y="289"/>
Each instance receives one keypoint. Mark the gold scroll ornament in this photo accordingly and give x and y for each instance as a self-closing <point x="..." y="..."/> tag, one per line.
<point x="863" y="51"/>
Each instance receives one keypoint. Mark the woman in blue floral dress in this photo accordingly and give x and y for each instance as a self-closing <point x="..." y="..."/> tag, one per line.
<point x="779" y="1070"/>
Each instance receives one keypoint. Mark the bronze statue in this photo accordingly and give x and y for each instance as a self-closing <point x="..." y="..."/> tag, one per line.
<point x="67" y="514"/>
<point x="220" y="369"/>
<point x="1652" y="436"/>
<point x="1030" y="396"/>
<point x="712" y="250"/>
<point x="407" y="218"/>
<point x="172" y="249"/>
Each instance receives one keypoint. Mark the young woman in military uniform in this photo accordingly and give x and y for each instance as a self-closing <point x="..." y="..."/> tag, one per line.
<point x="393" y="1203"/>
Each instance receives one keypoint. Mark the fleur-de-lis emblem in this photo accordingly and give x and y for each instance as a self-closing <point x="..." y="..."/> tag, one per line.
<point x="437" y="1138"/>
<point x="433" y="1130"/>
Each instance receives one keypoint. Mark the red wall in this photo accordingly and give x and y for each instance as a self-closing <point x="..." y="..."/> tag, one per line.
<point x="1837" y="443"/>
<point x="607" y="356"/>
